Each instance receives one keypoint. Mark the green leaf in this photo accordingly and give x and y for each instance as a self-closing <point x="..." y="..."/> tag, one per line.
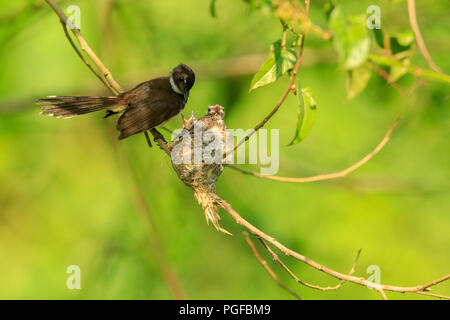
<point x="328" y="8"/>
<point x="351" y="38"/>
<point x="357" y="80"/>
<point x="267" y="4"/>
<point x="379" y="37"/>
<point x="212" y="8"/>
<point x="402" y="45"/>
<point x="401" y="42"/>
<point x="396" y="72"/>
<point x="260" y="4"/>
<point x="279" y="62"/>
<point x="285" y="59"/>
<point x="418" y="72"/>
<point x="306" y="114"/>
<point x="398" y="42"/>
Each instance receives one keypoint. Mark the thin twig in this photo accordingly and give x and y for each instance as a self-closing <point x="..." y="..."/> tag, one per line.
<point x="416" y="85"/>
<point x="86" y="48"/>
<point x="266" y="266"/>
<point x="86" y="62"/>
<point x="432" y="295"/>
<point x="329" y="176"/>
<point x="420" y="289"/>
<point x="159" y="139"/>
<point x="290" y="88"/>
<point x="415" y="71"/>
<point x="297" y="279"/>
<point x="382" y="73"/>
<point x="383" y="294"/>
<point x="420" y="43"/>
<point x="284" y="35"/>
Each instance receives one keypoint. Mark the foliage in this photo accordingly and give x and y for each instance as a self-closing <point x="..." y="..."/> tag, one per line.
<point x="64" y="199"/>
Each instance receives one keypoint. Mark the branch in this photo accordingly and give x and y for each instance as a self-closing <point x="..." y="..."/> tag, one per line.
<point x="277" y="259"/>
<point x="159" y="139"/>
<point x="416" y="71"/>
<point x="290" y="88"/>
<point x="266" y="266"/>
<point x="382" y="73"/>
<point x="116" y="89"/>
<point x="141" y="203"/>
<point x="420" y="43"/>
<point x="420" y="289"/>
<point x="329" y="176"/>
<point x="86" y="62"/>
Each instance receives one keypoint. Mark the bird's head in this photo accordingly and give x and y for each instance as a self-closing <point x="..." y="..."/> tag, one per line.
<point x="182" y="78"/>
<point x="216" y="110"/>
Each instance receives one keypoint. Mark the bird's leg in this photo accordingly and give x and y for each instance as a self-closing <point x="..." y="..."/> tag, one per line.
<point x="110" y="113"/>
<point x="157" y="135"/>
<point x="167" y="129"/>
<point x="149" y="142"/>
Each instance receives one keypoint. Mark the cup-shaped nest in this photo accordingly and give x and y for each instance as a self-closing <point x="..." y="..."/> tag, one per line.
<point x="197" y="155"/>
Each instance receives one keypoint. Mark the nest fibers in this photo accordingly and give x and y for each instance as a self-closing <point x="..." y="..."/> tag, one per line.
<point x="197" y="155"/>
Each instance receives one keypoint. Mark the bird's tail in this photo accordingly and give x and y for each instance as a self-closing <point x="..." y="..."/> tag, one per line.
<point x="68" y="106"/>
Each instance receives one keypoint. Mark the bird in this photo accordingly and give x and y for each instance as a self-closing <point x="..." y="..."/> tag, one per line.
<point x="202" y="175"/>
<point x="214" y="118"/>
<point x="149" y="104"/>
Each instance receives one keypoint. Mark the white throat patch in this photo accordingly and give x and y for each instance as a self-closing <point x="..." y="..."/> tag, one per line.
<point x="174" y="85"/>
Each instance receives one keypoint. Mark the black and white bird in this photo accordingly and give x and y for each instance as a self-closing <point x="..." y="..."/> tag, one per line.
<point x="142" y="108"/>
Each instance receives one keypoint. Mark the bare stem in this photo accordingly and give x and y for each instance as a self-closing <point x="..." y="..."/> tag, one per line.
<point x="266" y="266"/>
<point x="382" y="73"/>
<point x="419" y="289"/>
<point x="297" y="279"/>
<point x="329" y="176"/>
<point x="290" y="88"/>
<point x="415" y="71"/>
<point x="420" y="43"/>
<point x="85" y="47"/>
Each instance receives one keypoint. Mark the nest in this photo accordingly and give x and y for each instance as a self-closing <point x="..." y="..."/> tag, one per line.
<point x="197" y="157"/>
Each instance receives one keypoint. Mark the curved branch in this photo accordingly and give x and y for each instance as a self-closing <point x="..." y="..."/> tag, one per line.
<point x="86" y="62"/>
<point x="266" y="266"/>
<point x="420" y="289"/>
<point x="116" y="89"/>
<point x="420" y="43"/>
<point x="329" y="176"/>
<point x="385" y="75"/>
<point x="415" y="71"/>
<point x="291" y="87"/>
<point x="297" y="279"/>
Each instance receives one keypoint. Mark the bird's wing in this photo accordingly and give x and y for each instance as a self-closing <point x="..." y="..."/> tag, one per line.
<point x="154" y="109"/>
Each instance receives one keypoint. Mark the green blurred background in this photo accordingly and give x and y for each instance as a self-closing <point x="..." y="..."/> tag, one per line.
<point x="66" y="197"/>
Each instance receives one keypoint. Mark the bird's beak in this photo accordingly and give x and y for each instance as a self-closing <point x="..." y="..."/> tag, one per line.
<point x="186" y="95"/>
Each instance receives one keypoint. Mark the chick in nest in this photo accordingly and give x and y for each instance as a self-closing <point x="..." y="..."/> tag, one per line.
<point x="197" y="157"/>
